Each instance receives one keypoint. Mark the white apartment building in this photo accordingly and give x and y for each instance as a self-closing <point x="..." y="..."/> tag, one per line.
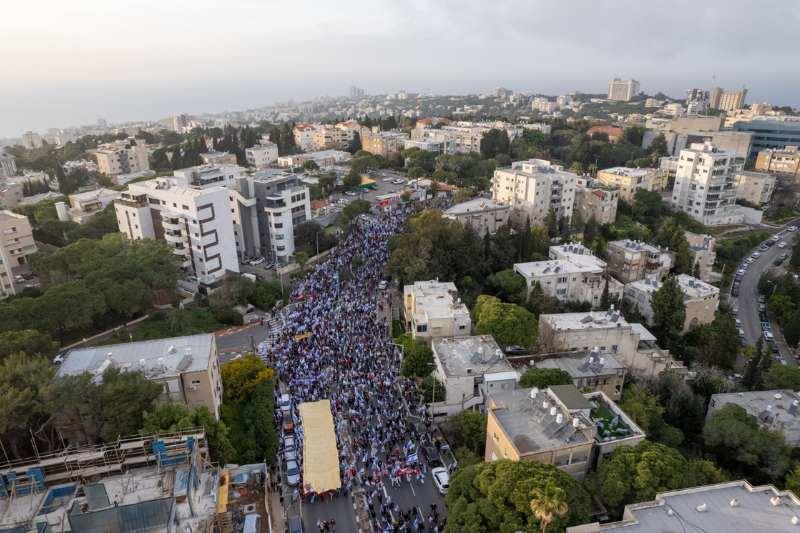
<point x="426" y="145"/>
<point x="629" y="179"/>
<point x="218" y="158"/>
<point x="31" y="140"/>
<point x="593" y="201"/>
<point x="433" y="309"/>
<point x="324" y="159"/>
<point x="262" y="155"/>
<point x="83" y="205"/>
<point x="316" y="137"/>
<point x="704" y="185"/>
<point x="700" y="298"/>
<point x="703" y="249"/>
<point x="463" y="137"/>
<point x="630" y="343"/>
<point x="304" y="137"/>
<point x="727" y="100"/>
<point x="543" y="105"/>
<point x="572" y="274"/>
<point x="195" y="222"/>
<point x="622" y="90"/>
<point x="532" y="188"/>
<point x="122" y="157"/>
<point x="16" y="244"/>
<point x="754" y="187"/>
<point x="481" y="214"/>
<point x="8" y="167"/>
<point x="631" y="260"/>
<point x="203" y="176"/>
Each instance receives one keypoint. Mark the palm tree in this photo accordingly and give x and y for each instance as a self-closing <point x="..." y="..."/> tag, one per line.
<point x="548" y="502"/>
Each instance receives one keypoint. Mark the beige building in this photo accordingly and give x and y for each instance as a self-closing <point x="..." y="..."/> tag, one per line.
<point x="122" y="157"/>
<point x="433" y="309"/>
<point x="534" y="187"/>
<point x="727" y="100"/>
<point x="16" y="244"/>
<point x="703" y="249"/>
<point x="754" y="187"/>
<point x="595" y="371"/>
<point x="630" y="260"/>
<point x="84" y="205"/>
<point x="218" y="158"/>
<point x="557" y="426"/>
<point x="469" y="368"/>
<point x="622" y="90"/>
<point x="786" y="161"/>
<point x="8" y="167"/>
<point x="700" y="298"/>
<point x="630" y="344"/>
<point x="482" y="214"/>
<point x="572" y="274"/>
<point x="595" y="202"/>
<point x="628" y="179"/>
<point x="382" y="143"/>
<point x="186" y="367"/>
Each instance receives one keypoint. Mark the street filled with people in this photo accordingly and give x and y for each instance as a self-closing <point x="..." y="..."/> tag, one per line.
<point x="334" y="346"/>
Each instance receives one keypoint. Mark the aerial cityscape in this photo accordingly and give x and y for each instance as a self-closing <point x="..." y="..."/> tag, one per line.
<point x="434" y="293"/>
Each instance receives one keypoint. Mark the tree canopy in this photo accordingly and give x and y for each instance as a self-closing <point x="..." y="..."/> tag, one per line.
<point x="509" y="324"/>
<point x="172" y="417"/>
<point x="544" y="377"/>
<point x="669" y="312"/>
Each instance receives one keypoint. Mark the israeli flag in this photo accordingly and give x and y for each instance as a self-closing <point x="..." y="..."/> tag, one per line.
<point x="412" y="458"/>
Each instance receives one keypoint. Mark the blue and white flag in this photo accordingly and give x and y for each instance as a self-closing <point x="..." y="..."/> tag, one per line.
<point x="412" y="458"/>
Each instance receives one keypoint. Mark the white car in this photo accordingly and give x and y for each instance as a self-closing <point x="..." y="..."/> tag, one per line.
<point x="441" y="479"/>
<point x="398" y="181"/>
<point x="387" y="180"/>
<point x="383" y="285"/>
<point x="292" y="473"/>
<point x="258" y="261"/>
<point x="792" y="228"/>
<point x="782" y="244"/>
<point x="755" y="255"/>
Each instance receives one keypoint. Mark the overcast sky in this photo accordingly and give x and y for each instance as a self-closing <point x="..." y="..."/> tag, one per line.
<point x="69" y="62"/>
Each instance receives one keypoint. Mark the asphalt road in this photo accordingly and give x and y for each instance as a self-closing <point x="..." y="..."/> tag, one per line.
<point x="747" y="301"/>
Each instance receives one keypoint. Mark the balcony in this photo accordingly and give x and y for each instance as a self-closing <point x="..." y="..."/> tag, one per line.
<point x="181" y="252"/>
<point x="173" y="237"/>
<point x="172" y="223"/>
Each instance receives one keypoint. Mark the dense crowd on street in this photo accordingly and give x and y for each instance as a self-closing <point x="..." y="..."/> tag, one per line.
<point x="333" y="346"/>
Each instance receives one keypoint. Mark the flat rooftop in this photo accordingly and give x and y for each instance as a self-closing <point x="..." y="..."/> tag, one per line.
<point x="584" y="365"/>
<point x="628" y="171"/>
<point x="436" y="299"/>
<point x="527" y="420"/>
<point x="588" y="320"/>
<point x="477" y="205"/>
<point x="635" y="246"/>
<point x="557" y="266"/>
<point x="777" y="409"/>
<point x="156" y="358"/>
<point x="470" y="356"/>
<point x="176" y="185"/>
<point x="734" y="507"/>
<point x="691" y="287"/>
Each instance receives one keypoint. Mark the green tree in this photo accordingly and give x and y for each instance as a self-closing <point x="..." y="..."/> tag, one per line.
<point x="266" y="294"/>
<point x="417" y="357"/>
<point x="496" y="496"/>
<point x="794" y="260"/>
<point x="352" y="180"/>
<point x="494" y="142"/>
<point x="173" y="417"/>
<point x="509" y="324"/>
<point x="669" y="312"/>
<point x="658" y="147"/>
<point x="645" y="409"/>
<point x="782" y="377"/>
<point x="753" y="378"/>
<point x="544" y="377"/>
<point x="508" y="286"/>
<point x="793" y="480"/>
<point x="720" y="346"/>
<point x="737" y="442"/>
<point x="25" y="383"/>
<point x="310" y="165"/>
<point x="467" y="429"/>
<point x="548" y="502"/>
<point x="30" y="341"/>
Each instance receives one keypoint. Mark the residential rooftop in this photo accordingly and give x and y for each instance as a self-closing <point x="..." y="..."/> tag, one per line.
<point x="437" y="299"/>
<point x="584" y="365"/>
<point x="470" y="356"/>
<point x="776" y="409"/>
<point x="628" y="171"/>
<point x="589" y="320"/>
<point x="476" y="205"/>
<point x="691" y="287"/>
<point x="156" y="358"/>
<point x="733" y="507"/>
<point x="630" y="245"/>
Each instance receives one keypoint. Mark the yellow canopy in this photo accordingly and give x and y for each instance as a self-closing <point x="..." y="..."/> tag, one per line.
<point x="320" y="456"/>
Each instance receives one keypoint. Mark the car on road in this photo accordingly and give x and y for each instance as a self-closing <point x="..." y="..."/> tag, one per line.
<point x="765" y="326"/>
<point x="764" y="247"/>
<point x="351" y="193"/>
<point x="441" y="479"/>
<point x="741" y="272"/>
<point x="256" y="262"/>
<point x="741" y="333"/>
<point x="738" y="323"/>
<point x="290" y="455"/>
<point x="791" y="228"/>
<point x="295" y="524"/>
<point x="288" y="423"/>
<point x="285" y="403"/>
<point x="432" y="456"/>
<point x="755" y="255"/>
<point x="383" y="285"/>
<point x="778" y="261"/>
<point x="782" y="244"/>
<point x="734" y="311"/>
<point x="768" y="336"/>
<point x="398" y="181"/>
<point x="292" y="473"/>
<point x="387" y="180"/>
<point x="288" y="442"/>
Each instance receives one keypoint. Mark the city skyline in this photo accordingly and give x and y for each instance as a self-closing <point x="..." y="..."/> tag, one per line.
<point x="148" y="60"/>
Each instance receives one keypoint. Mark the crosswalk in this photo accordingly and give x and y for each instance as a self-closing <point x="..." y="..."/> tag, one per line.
<point x="274" y="327"/>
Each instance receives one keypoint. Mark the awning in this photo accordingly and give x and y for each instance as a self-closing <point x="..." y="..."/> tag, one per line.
<point x="320" y="456"/>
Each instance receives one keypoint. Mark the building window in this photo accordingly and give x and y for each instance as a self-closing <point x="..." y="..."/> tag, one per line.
<point x="422" y="328"/>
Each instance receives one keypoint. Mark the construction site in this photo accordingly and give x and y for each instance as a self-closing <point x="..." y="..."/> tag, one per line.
<point x="157" y="483"/>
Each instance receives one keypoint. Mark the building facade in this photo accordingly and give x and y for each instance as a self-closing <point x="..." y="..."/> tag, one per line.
<point x="16" y="244"/>
<point x="703" y="250"/>
<point x="593" y="201"/>
<point x="262" y="155"/>
<point x="726" y="100"/>
<point x="593" y="371"/>
<point x="785" y="161"/>
<point x="122" y="157"/>
<point x="218" y="158"/>
<point x="8" y="166"/>
<point x="754" y="187"/>
<point x="382" y="143"/>
<point x="630" y="260"/>
<point x="433" y="310"/>
<point x="324" y="159"/>
<point x="533" y="188"/>
<point x="627" y="180"/>
<point x="195" y="223"/>
<point x="622" y="90"/>
<point x="481" y="214"/>
<point x="771" y="132"/>
<point x="700" y="298"/>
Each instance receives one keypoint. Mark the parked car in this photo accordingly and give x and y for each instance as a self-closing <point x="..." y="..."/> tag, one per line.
<point x="738" y="323"/>
<point x="741" y="333"/>
<point x="792" y="228"/>
<point x="290" y="455"/>
<point x="285" y="402"/>
<point x="398" y="181"/>
<point x="734" y="311"/>
<point x="782" y="244"/>
<point x="441" y="479"/>
<point x="383" y="285"/>
<point x="765" y="326"/>
<point x="768" y="336"/>
<point x="256" y="262"/>
<point x="432" y="456"/>
<point x="513" y="349"/>
<point x="292" y="473"/>
<point x="351" y="193"/>
<point x="288" y="423"/>
<point x="778" y="262"/>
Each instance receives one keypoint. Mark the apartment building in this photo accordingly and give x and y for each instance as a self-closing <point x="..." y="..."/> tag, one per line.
<point x="84" y="205"/>
<point x="593" y="371"/>
<point x="704" y="185"/>
<point x="775" y="132"/>
<point x="8" y="166"/>
<point x="324" y="159"/>
<point x="629" y="343"/>
<point x="426" y="145"/>
<point x="31" y="140"/>
<point x="11" y="193"/>
<point x="630" y="260"/>
<point x="317" y="137"/>
<point x="433" y="309"/>
<point x="594" y="201"/>
<point x="754" y="187"/>
<point x="382" y="143"/>
<point x="203" y="176"/>
<point x="481" y="214"/>
<point x="697" y="101"/>
<point x="262" y="155"/>
<point x="469" y="368"/>
<point x="622" y="90"/>
<point x="726" y="100"/>
<point x="572" y="274"/>
<point x="557" y="426"/>
<point x="776" y="410"/>
<point x="187" y="367"/>
<point x="304" y="137"/>
<point x="122" y="157"/>
<point x="463" y="137"/>
<point x="195" y="223"/>
<point x="776" y="161"/>
<point x="703" y="251"/>
<point x="534" y="187"/>
<point x="16" y="244"/>
<point x="720" y="508"/>
<point x="627" y="180"/>
<point x="218" y="158"/>
<point x="681" y="132"/>
<point x="700" y="298"/>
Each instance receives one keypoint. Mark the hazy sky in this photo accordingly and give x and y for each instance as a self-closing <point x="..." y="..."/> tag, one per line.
<point x="69" y="62"/>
